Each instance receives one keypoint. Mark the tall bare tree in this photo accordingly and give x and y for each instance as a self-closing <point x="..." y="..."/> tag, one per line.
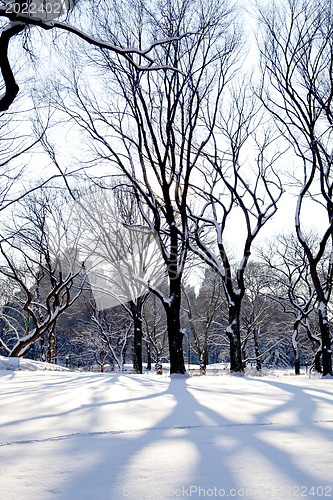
<point x="235" y="185"/>
<point x="297" y="58"/>
<point x="153" y="126"/>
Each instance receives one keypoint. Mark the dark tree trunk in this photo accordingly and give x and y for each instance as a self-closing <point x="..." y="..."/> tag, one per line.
<point x="11" y="87"/>
<point x="148" y="356"/>
<point x="125" y="352"/>
<point x="233" y="332"/>
<point x="297" y="365"/>
<point x="175" y="334"/>
<point x="317" y="361"/>
<point x="24" y="345"/>
<point x="136" y="310"/>
<point x="295" y="347"/>
<point x="325" y="338"/>
<point x="206" y="358"/>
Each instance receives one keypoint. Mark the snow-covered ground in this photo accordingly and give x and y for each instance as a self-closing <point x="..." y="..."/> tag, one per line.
<point x="89" y="436"/>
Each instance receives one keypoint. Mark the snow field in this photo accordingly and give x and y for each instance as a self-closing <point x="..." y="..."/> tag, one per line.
<point x="83" y="436"/>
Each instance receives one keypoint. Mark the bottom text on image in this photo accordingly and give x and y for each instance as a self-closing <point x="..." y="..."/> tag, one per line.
<point x="196" y="491"/>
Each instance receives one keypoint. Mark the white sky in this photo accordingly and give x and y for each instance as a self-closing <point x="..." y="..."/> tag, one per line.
<point x="282" y="221"/>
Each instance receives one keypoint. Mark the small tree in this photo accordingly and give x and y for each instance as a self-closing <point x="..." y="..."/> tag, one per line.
<point x="104" y="337"/>
<point x="260" y="319"/>
<point x="292" y="288"/>
<point x="202" y="311"/>
<point x="155" y="328"/>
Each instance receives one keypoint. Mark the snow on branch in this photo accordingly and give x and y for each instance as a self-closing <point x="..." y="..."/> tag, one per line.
<point x="18" y="22"/>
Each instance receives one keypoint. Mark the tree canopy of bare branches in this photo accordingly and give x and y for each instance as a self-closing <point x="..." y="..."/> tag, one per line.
<point x="22" y="16"/>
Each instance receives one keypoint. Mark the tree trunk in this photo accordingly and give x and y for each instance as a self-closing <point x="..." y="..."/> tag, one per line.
<point x="233" y="332"/>
<point x="158" y="366"/>
<point x="257" y="349"/>
<point x="295" y="348"/>
<point x="297" y="365"/>
<point x="42" y="348"/>
<point x="202" y="364"/>
<point x="123" y="355"/>
<point x="206" y="358"/>
<point x="148" y="356"/>
<point x="325" y="338"/>
<point x="317" y="361"/>
<point x="175" y="334"/>
<point x="11" y="87"/>
<point x="23" y="345"/>
<point x="136" y="309"/>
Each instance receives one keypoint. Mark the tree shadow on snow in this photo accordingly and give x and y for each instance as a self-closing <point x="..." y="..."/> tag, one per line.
<point x="196" y="451"/>
<point x="193" y="450"/>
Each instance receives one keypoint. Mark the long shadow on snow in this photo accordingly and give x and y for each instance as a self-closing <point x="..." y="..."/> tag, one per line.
<point x="193" y="438"/>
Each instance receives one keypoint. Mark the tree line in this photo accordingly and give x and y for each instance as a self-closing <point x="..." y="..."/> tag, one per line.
<point x="175" y="143"/>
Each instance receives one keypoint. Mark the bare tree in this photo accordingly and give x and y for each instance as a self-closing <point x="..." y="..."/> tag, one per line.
<point x="297" y="59"/>
<point x="202" y="312"/>
<point x="40" y="260"/>
<point x="235" y="184"/>
<point x="124" y="256"/>
<point x="292" y="288"/>
<point x="259" y="317"/>
<point x="103" y="338"/>
<point x="22" y="16"/>
<point x="161" y="122"/>
<point x="155" y="327"/>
